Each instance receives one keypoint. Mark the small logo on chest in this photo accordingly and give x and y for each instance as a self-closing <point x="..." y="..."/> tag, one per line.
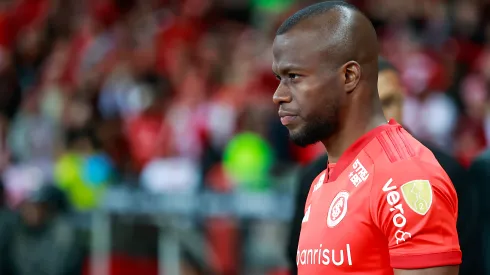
<point x="359" y="174"/>
<point x="338" y="209"/>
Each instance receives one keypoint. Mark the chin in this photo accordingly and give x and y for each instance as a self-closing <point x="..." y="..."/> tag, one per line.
<point x="311" y="133"/>
<point x="302" y="139"/>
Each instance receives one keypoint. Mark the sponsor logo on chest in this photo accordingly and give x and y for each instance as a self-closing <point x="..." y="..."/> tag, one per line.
<point x="359" y="174"/>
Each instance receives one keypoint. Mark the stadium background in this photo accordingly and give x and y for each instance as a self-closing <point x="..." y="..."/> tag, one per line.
<point x="142" y="136"/>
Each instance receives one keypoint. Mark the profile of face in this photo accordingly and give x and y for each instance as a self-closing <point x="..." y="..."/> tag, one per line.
<point x="311" y="88"/>
<point x="390" y="91"/>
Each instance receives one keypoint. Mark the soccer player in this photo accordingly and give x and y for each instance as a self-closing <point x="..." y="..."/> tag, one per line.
<point x="390" y="91"/>
<point x="383" y="205"/>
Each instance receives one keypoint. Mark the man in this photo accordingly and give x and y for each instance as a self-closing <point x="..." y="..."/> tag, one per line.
<point x="402" y="207"/>
<point x="390" y="91"/>
<point x="43" y="241"/>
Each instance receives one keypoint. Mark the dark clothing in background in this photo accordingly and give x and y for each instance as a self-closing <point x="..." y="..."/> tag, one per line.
<point x="468" y="223"/>
<point x="467" y="217"/>
<point x="51" y="250"/>
<point x="480" y="176"/>
<point x="7" y="219"/>
<point x="306" y="177"/>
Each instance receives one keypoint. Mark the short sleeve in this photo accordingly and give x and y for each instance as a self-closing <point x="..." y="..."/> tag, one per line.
<point x="415" y="206"/>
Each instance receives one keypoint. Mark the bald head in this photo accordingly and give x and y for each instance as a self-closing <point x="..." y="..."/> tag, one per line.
<point x="311" y="12"/>
<point x="341" y="32"/>
<point x="326" y="58"/>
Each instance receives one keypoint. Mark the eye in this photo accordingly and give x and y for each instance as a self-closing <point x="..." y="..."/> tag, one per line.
<point x="293" y="76"/>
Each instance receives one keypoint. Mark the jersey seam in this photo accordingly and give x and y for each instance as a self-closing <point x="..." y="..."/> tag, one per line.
<point x="421" y="254"/>
<point x="371" y="197"/>
<point x="387" y="150"/>
<point x="395" y="144"/>
<point x="409" y="148"/>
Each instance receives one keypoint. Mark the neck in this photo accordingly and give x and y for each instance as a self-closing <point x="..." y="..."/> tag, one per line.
<point x="353" y="128"/>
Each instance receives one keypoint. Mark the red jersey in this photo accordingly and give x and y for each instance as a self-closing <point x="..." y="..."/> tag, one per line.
<point x="387" y="204"/>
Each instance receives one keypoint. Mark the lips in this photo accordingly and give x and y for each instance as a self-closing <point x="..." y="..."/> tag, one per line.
<point x="285" y="120"/>
<point x="287" y="117"/>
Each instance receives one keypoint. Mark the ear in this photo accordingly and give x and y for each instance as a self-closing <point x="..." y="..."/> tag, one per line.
<point x="352" y="75"/>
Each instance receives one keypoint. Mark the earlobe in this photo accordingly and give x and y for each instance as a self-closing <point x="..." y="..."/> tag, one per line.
<point x="352" y="75"/>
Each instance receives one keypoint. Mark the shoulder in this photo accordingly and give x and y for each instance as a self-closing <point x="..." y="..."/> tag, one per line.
<point x="396" y="145"/>
<point x="414" y="178"/>
<point x="412" y="167"/>
<point x="412" y="170"/>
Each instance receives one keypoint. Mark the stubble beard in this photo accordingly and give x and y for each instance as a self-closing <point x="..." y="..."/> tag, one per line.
<point x="313" y="132"/>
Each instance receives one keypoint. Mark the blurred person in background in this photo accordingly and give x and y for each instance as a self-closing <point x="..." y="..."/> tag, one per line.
<point x="391" y="93"/>
<point x="7" y="218"/>
<point x="43" y="241"/>
<point x="82" y="171"/>
<point x="480" y="175"/>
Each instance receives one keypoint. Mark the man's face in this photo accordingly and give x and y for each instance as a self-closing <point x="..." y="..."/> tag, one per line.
<point x="34" y="214"/>
<point x="309" y="92"/>
<point x="390" y="92"/>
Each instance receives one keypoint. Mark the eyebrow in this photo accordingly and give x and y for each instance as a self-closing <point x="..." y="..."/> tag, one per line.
<point x="285" y="68"/>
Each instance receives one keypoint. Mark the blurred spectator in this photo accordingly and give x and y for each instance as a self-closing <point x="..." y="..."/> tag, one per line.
<point x="480" y="175"/>
<point x="81" y="171"/>
<point x="6" y="229"/>
<point x="43" y="242"/>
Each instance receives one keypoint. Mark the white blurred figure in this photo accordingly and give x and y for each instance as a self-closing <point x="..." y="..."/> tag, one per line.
<point x="430" y="115"/>
<point x="171" y="175"/>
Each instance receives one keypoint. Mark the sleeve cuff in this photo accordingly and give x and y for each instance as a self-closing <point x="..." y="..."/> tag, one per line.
<point x="426" y="260"/>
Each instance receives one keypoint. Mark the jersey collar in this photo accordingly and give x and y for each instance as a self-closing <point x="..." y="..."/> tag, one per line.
<point x="354" y="150"/>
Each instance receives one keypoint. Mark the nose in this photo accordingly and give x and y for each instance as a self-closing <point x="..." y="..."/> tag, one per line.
<point x="281" y="95"/>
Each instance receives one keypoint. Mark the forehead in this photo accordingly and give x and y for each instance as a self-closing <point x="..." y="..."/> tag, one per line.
<point x="296" y="49"/>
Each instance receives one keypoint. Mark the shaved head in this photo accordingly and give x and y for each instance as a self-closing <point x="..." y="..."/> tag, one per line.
<point x="311" y="12"/>
<point x="326" y="56"/>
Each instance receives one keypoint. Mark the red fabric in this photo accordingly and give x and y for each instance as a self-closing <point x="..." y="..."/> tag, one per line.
<point x="6" y="33"/>
<point x="26" y="13"/>
<point x="434" y="240"/>
<point x="126" y="265"/>
<point x="77" y="48"/>
<point x="148" y="137"/>
<point x="217" y="179"/>
<point x="468" y="51"/>
<point x="395" y="201"/>
<point x="105" y="13"/>
<point x="179" y="33"/>
<point x="223" y="238"/>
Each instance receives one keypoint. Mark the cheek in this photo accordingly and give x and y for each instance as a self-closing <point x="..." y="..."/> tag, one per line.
<point x="317" y="98"/>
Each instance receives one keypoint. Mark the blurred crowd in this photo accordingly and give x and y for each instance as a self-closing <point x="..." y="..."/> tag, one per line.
<point x="175" y="95"/>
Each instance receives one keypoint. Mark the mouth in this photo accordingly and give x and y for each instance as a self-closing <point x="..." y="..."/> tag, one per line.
<point x="285" y="120"/>
<point x="286" y="117"/>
